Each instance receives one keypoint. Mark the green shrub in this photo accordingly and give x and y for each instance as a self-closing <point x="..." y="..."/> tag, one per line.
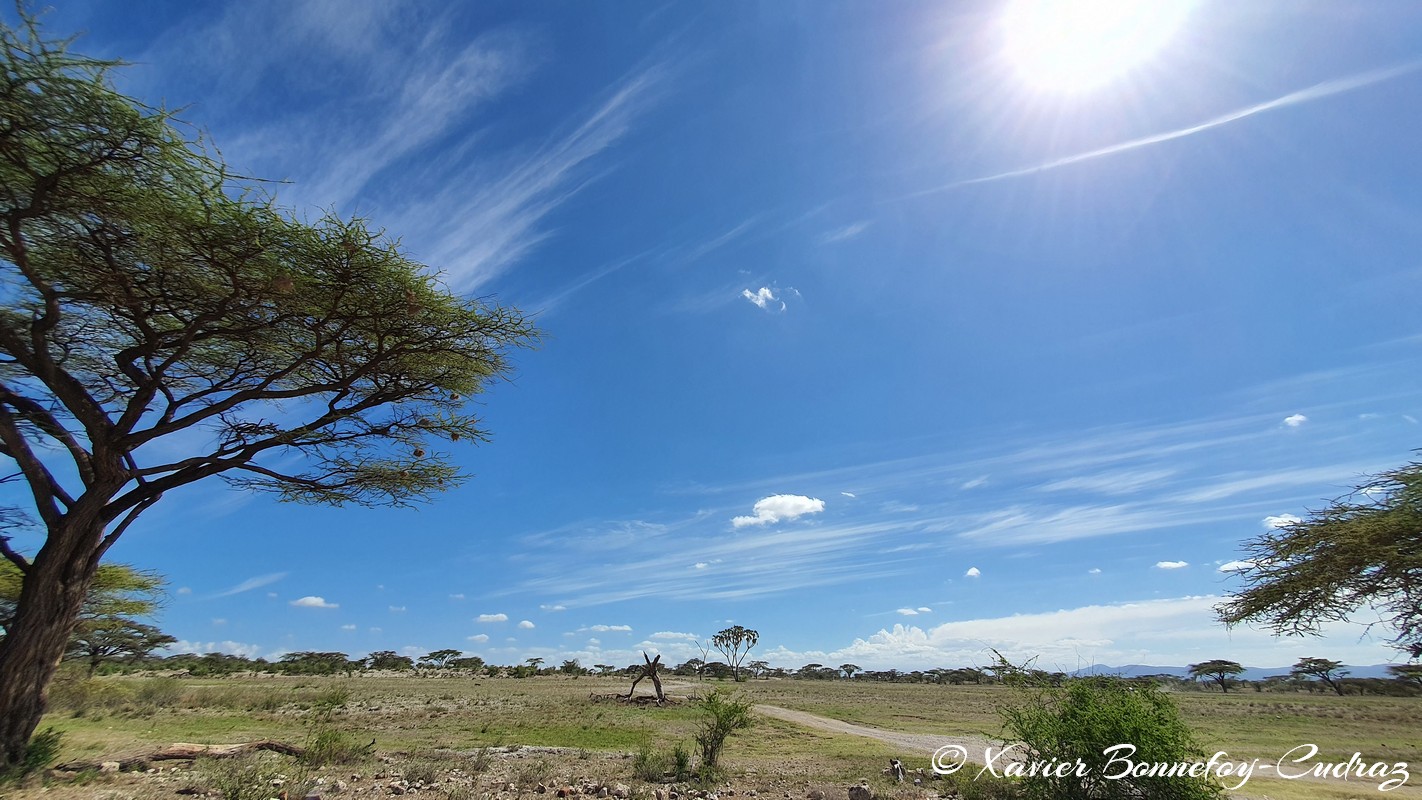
<point x="1080" y="720"/>
<point x="42" y="751"/>
<point x="257" y="776"/>
<point x="722" y="715"/>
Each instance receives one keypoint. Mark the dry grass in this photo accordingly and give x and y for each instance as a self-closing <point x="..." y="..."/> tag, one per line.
<point x="424" y="724"/>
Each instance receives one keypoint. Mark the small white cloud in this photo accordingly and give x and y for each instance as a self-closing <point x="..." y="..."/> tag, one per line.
<point x="492" y="618"/>
<point x="1094" y="571"/>
<point x="689" y="637"/>
<point x="272" y="595"/>
<point x="1295" y="420"/>
<point x="605" y="628"/>
<point x="397" y="609"/>
<point x="479" y="637"/>
<point x="1236" y="566"/>
<point x="219" y="621"/>
<point x="925" y="610"/>
<point x="974" y="483"/>
<point x="1281" y="521"/>
<point x="456" y="596"/>
<point x="909" y="612"/>
<point x="376" y="630"/>
<point x="553" y="608"/>
<point x="700" y="565"/>
<point x="594" y="642"/>
<point x="779" y="507"/>
<point x="526" y="625"/>
<point x="348" y="627"/>
<point x="1171" y="564"/>
<point x="764" y="298"/>
<point x="849" y="494"/>
<point x="973" y="572"/>
<point x="311" y="601"/>
<point x="184" y="591"/>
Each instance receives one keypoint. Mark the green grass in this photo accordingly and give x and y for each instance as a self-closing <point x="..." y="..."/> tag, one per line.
<point x="411" y="715"/>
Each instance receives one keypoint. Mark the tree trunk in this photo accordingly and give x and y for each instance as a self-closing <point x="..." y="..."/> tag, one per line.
<point x="50" y="602"/>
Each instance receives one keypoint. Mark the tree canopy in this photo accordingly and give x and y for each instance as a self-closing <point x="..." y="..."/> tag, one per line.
<point x="1219" y="670"/>
<point x="1361" y="553"/>
<point x="163" y="322"/>
<point x="735" y="644"/>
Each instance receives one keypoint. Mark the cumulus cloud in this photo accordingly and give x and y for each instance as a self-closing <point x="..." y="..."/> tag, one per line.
<point x="1171" y="564"/>
<point x="526" y="625"/>
<point x="492" y="618"/>
<point x="764" y="298"/>
<point x="311" y="601"/>
<point x="1235" y="566"/>
<point x="1295" y="420"/>
<point x="230" y="647"/>
<point x="1094" y="571"/>
<point x="700" y="565"/>
<point x="1281" y="521"/>
<point x="479" y="637"/>
<point x="605" y="628"/>
<point x="973" y="572"/>
<point x="688" y="637"/>
<point x="779" y="507"/>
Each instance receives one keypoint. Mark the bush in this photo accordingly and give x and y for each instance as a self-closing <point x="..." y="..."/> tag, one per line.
<point x="1084" y="717"/>
<point x="257" y="776"/>
<point x="42" y="751"/>
<point x="723" y="715"/>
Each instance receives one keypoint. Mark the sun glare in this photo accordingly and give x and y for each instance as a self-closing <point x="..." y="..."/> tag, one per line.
<point x="1078" y="45"/>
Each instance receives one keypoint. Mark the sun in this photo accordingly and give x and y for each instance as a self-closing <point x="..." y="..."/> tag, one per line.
<point x="1080" y="45"/>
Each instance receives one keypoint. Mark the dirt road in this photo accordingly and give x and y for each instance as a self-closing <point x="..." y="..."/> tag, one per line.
<point x="916" y="743"/>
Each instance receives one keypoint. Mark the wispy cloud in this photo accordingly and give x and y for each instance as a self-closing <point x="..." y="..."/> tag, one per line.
<point x="252" y="583"/>
<point x="764" y="298"/>
<point x="1316" y="92"/>
<point x="846" y="233"/>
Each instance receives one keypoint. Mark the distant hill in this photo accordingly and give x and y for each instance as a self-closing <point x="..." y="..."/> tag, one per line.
<point x="1250" y="673"/>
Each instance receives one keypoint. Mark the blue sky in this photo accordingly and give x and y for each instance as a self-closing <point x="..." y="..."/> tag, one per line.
<point x="861" y="330"/>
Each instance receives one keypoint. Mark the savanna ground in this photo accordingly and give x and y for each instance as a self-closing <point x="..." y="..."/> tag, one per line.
<point x="470" y="739"/>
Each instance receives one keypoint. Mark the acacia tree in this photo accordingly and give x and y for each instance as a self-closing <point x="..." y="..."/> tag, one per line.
<point x="1218" y="670"/>
<point x="108" y="628"/>
<point x="735" y="643"/>
<point x="150" y="304"/>
<point x="1362" y="552"/>
<point x="1330" y="672"/>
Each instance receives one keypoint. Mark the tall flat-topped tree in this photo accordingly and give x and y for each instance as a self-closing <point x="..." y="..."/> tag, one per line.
<point x="150" y="304"/>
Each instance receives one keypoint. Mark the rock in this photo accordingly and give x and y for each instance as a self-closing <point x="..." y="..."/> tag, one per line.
<point x="860" y="792"/>
<point x="566" y="791"/>
<point x="660" y="794"/>
<point x="621" y="791"/>
<point x="603" y="792"/>
<point x="396" y="788"/>
<point x="815" y="794"/>
<point x="109" y="766"/>
<point x="541" y="789"/>
<point x="509" y="787"/>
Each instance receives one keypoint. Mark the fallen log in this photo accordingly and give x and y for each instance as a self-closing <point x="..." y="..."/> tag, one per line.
<point x="184" y="751"/>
